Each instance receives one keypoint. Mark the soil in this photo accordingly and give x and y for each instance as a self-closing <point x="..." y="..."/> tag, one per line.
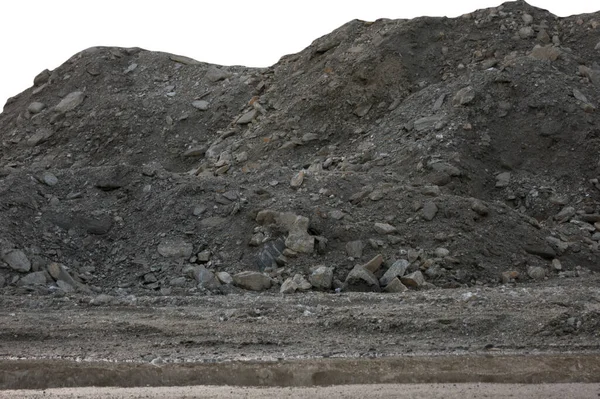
<point x="156" y="208"/>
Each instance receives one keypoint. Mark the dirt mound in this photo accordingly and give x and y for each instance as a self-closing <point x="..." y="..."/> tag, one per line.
<point x="466" y="147"/>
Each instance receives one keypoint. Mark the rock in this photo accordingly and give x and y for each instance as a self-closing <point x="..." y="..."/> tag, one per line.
<point x="321" y="278"/>
<point x="441" y="252"/>
<point x="479" y="208"/>
<point x="354" y="249"/>
<point x="254" y="281"/>
<point x="70" y="102"/>
<point x="17" y="260"/>
<point x="297" y="180"/>
<point x="446" y="168"/>
<point x="509" y="276"/>
<point x="204" y="256"/>
<point x="579" y="96"/>
<point x="98" y="225"/>
<point x="200" y="105"/>
<point x="557" y="244"/>
<point x="527" y="18"/>
<point x="270" y="252"/>
<point x="384" y="228"/>
<point x="59" y="273"/>
<point x="592" y="74"/>
<point x="395" y="286"/>
<point x="36" y="107"/>
<point x="464" y="96"/>
<point x="35" y="278"/>
<point x="178" y="282"/>
<point x="526" y="32"/>
<point x="175" y="248"/>
<point x="545" y="53"/>
<point x="361" y="279"/>
<point x="195" y="152"/>
<point x="247" y="117"/>
<point x="49" y="179"/>
<point x="2" y="281"/>
<point x="397" y="269"/>
<point x="556" y="265"/>
<point x="536" y="272"/>
<point x="427" y="123"/>
<point x="431" y="191"/>
<point x="256" y="239"/>
<point x="41" y="135"/>
<point x="502" y="179"/>
<point x="298" y="239"/>
<point x="224" y="277"/>
<point x="102" y="300"/>
<point x="214" y="74"/>
<point x="41" y="78"/>
<point x="543" y="251"/>
<point x="429" y="210"/>
<point x="288" y="286"/>
<point x="414" y="280"/>
<point x="374" y="264"/>
<point x="362" y="110"/>
<point x="565" y="214"/>
<point x="206" y="278"/>
<point x="301" y="283"/>
<point x="65" y="287"/>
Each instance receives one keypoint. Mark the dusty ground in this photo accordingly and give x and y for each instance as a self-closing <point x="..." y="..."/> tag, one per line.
<point x="417" y="391"/>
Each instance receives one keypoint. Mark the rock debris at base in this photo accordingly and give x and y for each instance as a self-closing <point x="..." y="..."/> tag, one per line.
<point x="386" y="156"/>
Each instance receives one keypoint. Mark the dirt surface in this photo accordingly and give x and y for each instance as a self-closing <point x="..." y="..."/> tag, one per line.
<point x="398" y="188"/>
<point x="422" y="391"/>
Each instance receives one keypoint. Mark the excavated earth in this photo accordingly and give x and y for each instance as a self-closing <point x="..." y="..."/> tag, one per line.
<point x="159" y="209"/>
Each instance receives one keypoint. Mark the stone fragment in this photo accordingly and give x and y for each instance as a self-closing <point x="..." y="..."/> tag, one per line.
<point x="270" y="252"/>
<point x="441" y="252"/>
<point x="397" y="269"/>
<point x="247" y="117"/>
<point x="354" y="249"/>
<point x="374" y="264"/>
<point x="65" y="287"/>
<point x="214" y="74"/>
<point x="195" y="152"/>
<point x="557" y="244"/>
<point x="431" y="191"/>
<point x="362" y="110"/>
<point x="526" y="32"/>
<point x="502" y="179"/>
<point x="250" y="280"/>
<point x="297" y="180"/>
<point x="175" y="248"/>
<point x="200" y="105"/>
<point x="579" y="96"/>
<point x="17" y="260"/>
<point x="545" y="53"/>
<point x="395" y="286"/>
<point x="288" y="286"/>
<point x="565" y="214"/>
<point x="298" y="239"/>
<point x="384" y="228"/>
<point x="536" y="272"/>
<point x="206" y="278"/>
<point x="464" y="96"/>
<point x="70" y="102"/>
<point x="58" y="272"/>
<point x="427" y="123"/>
<point x="35" y="278"/>
<point x="41" y="135"/>
<point x="177" y="282"/>
<point x="543" y="251"/>
<point x="224" y="277"/>
<point x="204" y="256"/>
<point x="509" y="276"/>
<point x="592" y="74"/>
<point x="429" y="210"/>
<point x="480" y="208"/>
<point x="556" y="265"/>
<point x="321" y="278"/>
<point x="361" y="279"/>
<point x="49" y="179"/>
<point x="36" y="107"/>
<point x="102" y="299"/>
<point x="41" y="78"/>
<point x="413" y="280"/>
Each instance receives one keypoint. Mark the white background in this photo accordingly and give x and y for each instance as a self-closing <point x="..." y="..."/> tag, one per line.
<point x="40" y="34"/>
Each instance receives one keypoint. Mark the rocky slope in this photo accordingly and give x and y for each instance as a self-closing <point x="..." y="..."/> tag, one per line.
<point x="386" y="155"/>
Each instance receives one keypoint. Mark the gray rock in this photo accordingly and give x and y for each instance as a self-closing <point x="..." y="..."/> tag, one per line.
<point x="65" y="287"/>
<point x="17" y="260"/>
<point x="479" y="208"/>
<point x="297" y="179"/>
<point x="545" y="53"/>
<point x="41" y="78"/>
<point x="59" y="273"/>
<point x="301" y="282"/>
<point x="556" y="265"/>
<point x="215" y="74"/>
<point x="526" y="32"/>
<point x="102" y="299"/>
<point x="395" y="286"/>
<point x="427" y="123"/>
<point x="49" y="179"/>
<point x="204" y="256"/>
<point x="464" y="96"/>
<point x="270" y="252"/>
<point x="200" y="105"/>
<point x="247" y="117"/>
<point x="374" y="264"/>
<point x="224" y="277"/>
<point x="362" y="109"/>
<point x="431" y="191"/>
<point x="429" y="210"/>
<point x="296" y="283"/>
<point x="70" y="102"/>
<point x="195" y="152"/>
<point x="397" y="269"/>
<point x="536" y="272"/>
<point x="592" y="74"/>
<point x="441" y="252"/>
<point x="414" y="280"/>
<point x="355" y="249"/>
<point x="565" y="214"/>
<point x="543" y="251"/>
<point x="502" y="179"/>
<point x="254" y="281"/>
<point x="256" y="239"/>
<point x="445" y="167"/>
<point x="35" y="278"/>
<point x="384" y="228"/>
<point x="178" y="282"/>
<point x="36" y="107"/>
<point x="40" y="136"/>
<point x="579" y="96"/>
<point x="288" y="286"/>
<point x="361" y="279"/>
<point x="298" y="239"/>
<point x="321" y="278"/>
<point x="206" y="278"/>
<point x="557" y="244"/>
<point x="175" y="248"/>
<point x="97" y="225"/>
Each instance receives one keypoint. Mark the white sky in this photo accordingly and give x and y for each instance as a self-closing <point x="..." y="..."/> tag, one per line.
<point x="40" y="34"/>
